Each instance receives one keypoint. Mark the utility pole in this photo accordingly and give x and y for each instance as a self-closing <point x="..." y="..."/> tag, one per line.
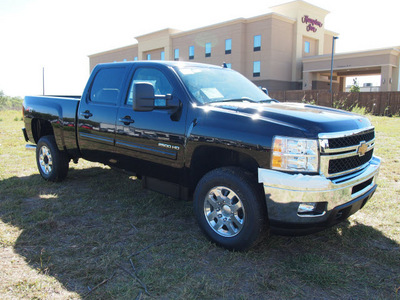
<point x="43" y="79"/>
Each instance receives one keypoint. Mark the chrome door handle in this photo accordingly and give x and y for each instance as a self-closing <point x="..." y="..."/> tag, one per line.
<point x="126" y="120"/>
<point x="87" y="114"/>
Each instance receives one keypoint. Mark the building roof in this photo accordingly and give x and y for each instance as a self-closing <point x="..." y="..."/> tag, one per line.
<point x="113" y="50"/>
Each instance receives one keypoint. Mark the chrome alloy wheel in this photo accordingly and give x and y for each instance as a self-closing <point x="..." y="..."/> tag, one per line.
<point x="45" y="160"/>
<point x="224" y="211"/>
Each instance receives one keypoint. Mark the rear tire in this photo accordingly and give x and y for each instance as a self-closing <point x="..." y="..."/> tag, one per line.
<point x="230" y="208"/>
<point x="52" y="163"/>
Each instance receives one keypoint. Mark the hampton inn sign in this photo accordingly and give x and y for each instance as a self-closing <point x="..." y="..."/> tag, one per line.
<point x="312" y="23"/>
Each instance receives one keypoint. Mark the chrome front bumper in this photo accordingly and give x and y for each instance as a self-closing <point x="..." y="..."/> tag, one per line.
<point x="290" y="198"/>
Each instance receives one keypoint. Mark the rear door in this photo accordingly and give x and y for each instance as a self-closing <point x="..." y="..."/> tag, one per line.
<point x="97" y="114"/>
<point x="152" y="143"/>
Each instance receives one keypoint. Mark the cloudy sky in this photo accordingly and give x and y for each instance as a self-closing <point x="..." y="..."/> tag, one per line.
<point x="59" y="35"/>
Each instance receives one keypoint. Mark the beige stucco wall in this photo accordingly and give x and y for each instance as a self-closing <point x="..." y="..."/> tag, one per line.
<point x="282" y="43"/>
<point x="281" y="49"/>
<point x="328" y="40"/>
<point x="297" y="10"/>
<point x="156" y="40"/>
<point x="275" y="55"/>
<point x="155" y="54"/>
<point x="216" y="35"/>
<point x="382" y="61"/>
<point x="369" y="59"/>
<point x="255" y="27"/>
<point x="284" y="62"/>
<point x="128" y="53"/>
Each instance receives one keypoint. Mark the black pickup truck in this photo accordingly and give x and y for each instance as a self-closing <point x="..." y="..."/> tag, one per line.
<point x="206" y="133"/>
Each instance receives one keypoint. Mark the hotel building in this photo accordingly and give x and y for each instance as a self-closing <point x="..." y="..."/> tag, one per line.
<point x="286" y="49"/>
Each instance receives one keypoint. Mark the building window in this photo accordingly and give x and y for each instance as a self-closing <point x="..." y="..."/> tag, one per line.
<point x="257" y="43"/>
<point x="307" y="47"/>
<point x="256" y="68"/>
<point x="176" y="54"/>
<point x="191" y="52"/>
<point x="208" y="49"/>
<point x="135" y="59"/>
<point x="228" y="46"/>
<point x="148" y="56"/>
<point x="162" y="56"/>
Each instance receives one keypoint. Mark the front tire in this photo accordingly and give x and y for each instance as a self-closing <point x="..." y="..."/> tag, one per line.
<point x="52" y="163"/>
<point x="230" y="208"/>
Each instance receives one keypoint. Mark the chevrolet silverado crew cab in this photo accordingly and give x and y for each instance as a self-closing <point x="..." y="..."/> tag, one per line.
<point x="202" y="132"/>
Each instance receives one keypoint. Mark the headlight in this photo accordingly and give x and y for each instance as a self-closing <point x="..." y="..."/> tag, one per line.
<point x="293" y="154"/>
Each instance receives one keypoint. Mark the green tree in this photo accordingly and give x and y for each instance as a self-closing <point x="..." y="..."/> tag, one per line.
<point x="355" y="87"/>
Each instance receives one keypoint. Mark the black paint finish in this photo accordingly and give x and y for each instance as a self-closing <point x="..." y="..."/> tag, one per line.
<point x="180" y="144"/>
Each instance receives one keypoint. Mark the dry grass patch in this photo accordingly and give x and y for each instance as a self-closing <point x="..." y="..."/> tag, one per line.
<point x="99" y="235"/>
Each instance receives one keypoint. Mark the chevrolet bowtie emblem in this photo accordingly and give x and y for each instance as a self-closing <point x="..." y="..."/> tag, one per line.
<point x="362" y="149"/>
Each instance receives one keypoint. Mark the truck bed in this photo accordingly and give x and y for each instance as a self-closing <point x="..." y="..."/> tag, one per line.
<point x="60" y="112"/>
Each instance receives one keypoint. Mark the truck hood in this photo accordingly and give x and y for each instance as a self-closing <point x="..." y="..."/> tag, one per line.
<point x="310" y="119"/>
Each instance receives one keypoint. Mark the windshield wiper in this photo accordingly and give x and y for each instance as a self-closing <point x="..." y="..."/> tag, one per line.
<point x="236" y="100"/>
<point x="269" y="101"/>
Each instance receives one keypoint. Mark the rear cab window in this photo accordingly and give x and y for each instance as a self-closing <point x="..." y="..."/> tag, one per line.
<point x="107" y="85"/>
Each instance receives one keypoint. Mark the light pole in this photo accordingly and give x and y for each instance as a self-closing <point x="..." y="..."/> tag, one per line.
<point x="333" y="52"/>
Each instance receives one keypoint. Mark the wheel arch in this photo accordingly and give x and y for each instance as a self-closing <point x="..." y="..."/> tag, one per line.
<point x="208" y="158"/>
<point x="41" y="128"/>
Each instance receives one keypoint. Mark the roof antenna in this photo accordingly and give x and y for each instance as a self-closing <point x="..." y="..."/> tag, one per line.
<point x="224" y="65"/>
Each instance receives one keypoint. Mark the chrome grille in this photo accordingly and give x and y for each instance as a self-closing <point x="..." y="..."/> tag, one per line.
<point x="349" y="163"/>
<point x="335" y="143"/>
<point x="346" y="152"/>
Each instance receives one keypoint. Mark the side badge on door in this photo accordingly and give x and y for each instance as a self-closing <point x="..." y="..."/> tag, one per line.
<point x="163" y="145"/>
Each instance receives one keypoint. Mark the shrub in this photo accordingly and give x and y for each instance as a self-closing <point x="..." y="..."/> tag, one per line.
<point x="359" y="110"/>
<point x="7" y="102"/>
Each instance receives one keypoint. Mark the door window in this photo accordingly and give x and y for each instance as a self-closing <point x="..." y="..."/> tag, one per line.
<point x="156" y="78"/>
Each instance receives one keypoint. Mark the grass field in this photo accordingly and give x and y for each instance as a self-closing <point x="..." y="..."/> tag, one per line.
<point x="99" y="235"/>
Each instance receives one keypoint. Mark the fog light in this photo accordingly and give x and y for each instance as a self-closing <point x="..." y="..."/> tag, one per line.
<point x="311" y="209"/>
<point x="306" y="208"/>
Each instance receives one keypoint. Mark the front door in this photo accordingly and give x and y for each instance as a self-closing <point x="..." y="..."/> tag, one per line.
<point x="151" y="143"/>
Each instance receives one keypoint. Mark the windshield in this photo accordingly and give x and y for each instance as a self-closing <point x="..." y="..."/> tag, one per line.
<point x="207" y="85"/>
